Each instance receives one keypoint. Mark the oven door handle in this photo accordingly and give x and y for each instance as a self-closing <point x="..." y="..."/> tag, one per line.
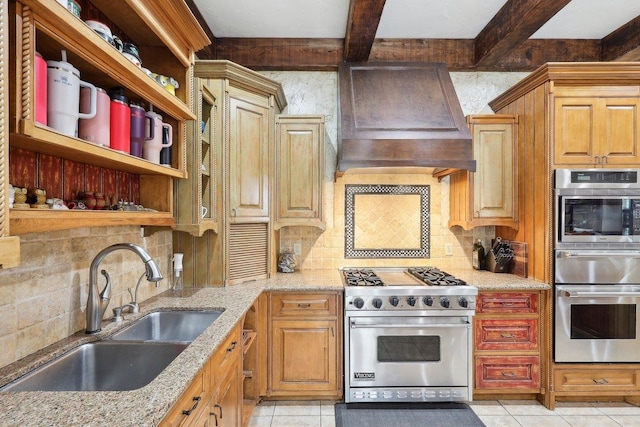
<point x="355" y="325"/>
<point x="599" y="254"/>
<point x="578" y="294"/>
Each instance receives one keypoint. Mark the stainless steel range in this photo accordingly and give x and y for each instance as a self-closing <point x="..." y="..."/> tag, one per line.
<point x="407" y="335"/>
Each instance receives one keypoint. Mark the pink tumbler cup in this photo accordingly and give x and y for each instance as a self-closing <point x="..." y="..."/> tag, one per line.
<point x="97" y="129"/>
<point x="41" y="89"/>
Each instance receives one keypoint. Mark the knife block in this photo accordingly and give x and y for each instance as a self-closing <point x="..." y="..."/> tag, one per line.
<point x="494" y="266"/>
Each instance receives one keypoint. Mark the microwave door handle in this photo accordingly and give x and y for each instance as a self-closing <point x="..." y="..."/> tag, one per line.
<point x="578" y="294"/>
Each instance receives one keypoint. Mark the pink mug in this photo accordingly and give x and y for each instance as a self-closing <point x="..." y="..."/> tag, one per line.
<point x="153" y="146"/>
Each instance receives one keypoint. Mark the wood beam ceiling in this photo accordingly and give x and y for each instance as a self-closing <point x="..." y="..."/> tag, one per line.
<point x="514" y="23"/>
<point x="503" y="45"/>
<point x="624" y="43"/>
<point x="362" y="25"/>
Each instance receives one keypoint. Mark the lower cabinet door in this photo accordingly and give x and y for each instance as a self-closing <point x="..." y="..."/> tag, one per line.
<point x="502" y="372"/>
<point x="304" y="356"/>
<point x="226" y="405"/>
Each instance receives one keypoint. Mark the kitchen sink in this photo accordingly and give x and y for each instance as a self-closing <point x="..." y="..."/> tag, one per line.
<point x="101" y="366"/>
<point x="169" y="326"/>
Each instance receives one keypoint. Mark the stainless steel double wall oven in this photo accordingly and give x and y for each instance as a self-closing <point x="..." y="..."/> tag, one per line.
<point x="597" y="265"/>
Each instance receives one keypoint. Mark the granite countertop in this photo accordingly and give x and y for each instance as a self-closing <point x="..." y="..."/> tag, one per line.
<point x="148" y="405"/>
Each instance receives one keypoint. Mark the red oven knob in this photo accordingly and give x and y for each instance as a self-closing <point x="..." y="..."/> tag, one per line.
<point x="377" y="303"/>
<point x="358" y="302"/>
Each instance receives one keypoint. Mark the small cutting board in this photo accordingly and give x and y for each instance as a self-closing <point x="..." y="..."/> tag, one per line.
<point x="520" y="264"/>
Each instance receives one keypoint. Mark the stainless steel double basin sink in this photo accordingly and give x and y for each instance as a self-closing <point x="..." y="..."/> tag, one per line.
<point x="127" y="360"/>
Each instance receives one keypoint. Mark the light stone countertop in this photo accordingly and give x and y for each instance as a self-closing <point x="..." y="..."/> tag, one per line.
<point x="148" y="405"/>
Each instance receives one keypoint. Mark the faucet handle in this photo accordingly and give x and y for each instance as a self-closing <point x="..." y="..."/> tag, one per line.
<point x="117" y="314"/>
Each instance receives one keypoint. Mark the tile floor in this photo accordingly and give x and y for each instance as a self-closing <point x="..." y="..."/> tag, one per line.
<point x="503" y="413"/>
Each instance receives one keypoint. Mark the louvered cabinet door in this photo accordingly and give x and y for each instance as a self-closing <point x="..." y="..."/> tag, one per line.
<point x="248" y="252"/>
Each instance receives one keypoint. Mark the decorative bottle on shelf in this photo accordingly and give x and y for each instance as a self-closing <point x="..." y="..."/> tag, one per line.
<point x="477" y="256"/>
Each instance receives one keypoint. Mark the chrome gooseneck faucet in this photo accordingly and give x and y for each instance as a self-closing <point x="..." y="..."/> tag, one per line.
<point x="97" y="302"/>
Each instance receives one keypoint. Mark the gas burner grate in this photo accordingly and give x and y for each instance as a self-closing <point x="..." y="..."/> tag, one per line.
<point x="435" y="277"/>
<point x="362" y="277"/>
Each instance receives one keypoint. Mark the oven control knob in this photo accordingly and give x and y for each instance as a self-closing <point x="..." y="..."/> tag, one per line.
<point x="427" y="301"/>
<point x="358" y="302"/>
<point x="394" y="301"/>
<point x="377" y="302"/>
<point x="444" y="301"/>
<point x="411" y="301"/>
<point x="462" y="302"/>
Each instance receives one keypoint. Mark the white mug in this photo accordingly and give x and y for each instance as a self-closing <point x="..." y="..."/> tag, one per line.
<point x="63" y="97"/>
<point x="203" y="211"/>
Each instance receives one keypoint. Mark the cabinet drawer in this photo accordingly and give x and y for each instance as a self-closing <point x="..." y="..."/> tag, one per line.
<point x="507" y="302"/>
<point x="506" y="334"/>
<point x="226" y="354"/>
<point x="188" y="406"/>
<point x="304" y="304"/>
<point x="605" y="380"/>
<point x="521" y="372"/>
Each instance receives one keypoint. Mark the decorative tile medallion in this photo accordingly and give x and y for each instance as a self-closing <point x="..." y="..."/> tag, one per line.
<point x="387" y="221"/>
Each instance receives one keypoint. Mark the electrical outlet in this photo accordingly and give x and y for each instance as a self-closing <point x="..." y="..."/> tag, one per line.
<point x="297" y="248"/>
<point x="448" y="249"/>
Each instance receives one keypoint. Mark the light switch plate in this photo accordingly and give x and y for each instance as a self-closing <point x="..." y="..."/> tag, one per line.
<point x="448" y="249"/>
<point x="297" y="248"/>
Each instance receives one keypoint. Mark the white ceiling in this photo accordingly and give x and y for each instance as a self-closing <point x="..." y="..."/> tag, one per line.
<point x="441" y="19"/>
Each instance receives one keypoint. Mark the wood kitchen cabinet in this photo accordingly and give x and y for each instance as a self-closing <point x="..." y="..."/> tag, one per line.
<point x="239" y="172"/>
<point x="166" y="48"/>
<point x="305" y="358"/>
<point x="214" y="397"/>
<point x="197" y="199"/>
<point x="568" y="113"/>
<point x="507" y="343"/>
<point x="299" y="171"/>
<point x="9" y="245"/>
<point x="488" y="196"/>
<point x="593" y="128"/>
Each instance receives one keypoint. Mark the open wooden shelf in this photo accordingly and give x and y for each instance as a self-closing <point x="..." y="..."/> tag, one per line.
<point x="42" y="220"/>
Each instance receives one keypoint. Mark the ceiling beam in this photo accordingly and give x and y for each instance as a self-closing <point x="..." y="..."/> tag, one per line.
<point x="362" y="25"/>
<point x="514" y="23"/>
<point x="623" y="44"/>
<point x="457" y="54"/>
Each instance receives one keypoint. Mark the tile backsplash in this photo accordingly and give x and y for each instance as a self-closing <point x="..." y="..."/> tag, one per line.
<point x="43" y="300"/>
<point x="326" y="249"/>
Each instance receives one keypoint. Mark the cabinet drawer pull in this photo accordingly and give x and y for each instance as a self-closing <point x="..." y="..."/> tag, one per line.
<point x="506" y="304"/>
<point x="507" y="336"/>
<point x="508" y="374"/>
<point x="219" y="407"/>
<point x="193" y="408"/>
<point x="304" y="305"/>
<point x="215" y="417"/>
<point x="230" y="349"/>
<point x="601" y="381"/>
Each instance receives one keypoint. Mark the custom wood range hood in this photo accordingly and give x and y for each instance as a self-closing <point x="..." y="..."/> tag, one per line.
<point x="400" y="115"/>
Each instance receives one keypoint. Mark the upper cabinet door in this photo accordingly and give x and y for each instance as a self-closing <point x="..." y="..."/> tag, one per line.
<point x="299" y="171"/>
<point x="596" y="131"/>
<point x="488" y="196"/>
<point x="248" y="158"/>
